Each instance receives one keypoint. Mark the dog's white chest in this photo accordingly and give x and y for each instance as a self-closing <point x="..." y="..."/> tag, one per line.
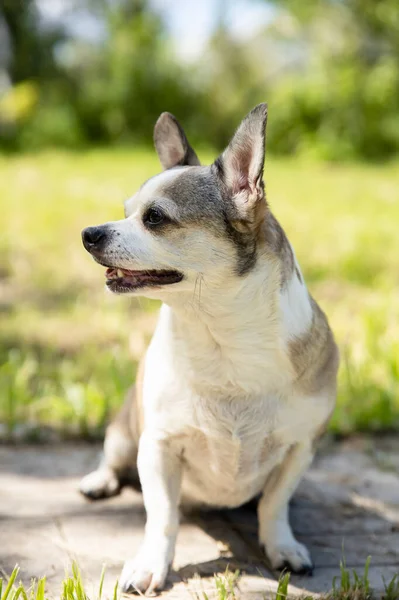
<point x="228" y="452"/>
<point x="231" y="417"/>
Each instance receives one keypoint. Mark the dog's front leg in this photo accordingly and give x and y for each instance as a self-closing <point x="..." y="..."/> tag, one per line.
<point x="160" y="471"/>
<point x="275" y="533"/>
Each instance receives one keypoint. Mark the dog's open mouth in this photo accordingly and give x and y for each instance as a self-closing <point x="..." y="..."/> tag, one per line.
<point x="123" y="280"/>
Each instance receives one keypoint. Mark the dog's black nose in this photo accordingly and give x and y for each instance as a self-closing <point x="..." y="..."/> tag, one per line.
<point x="93" y="237"/>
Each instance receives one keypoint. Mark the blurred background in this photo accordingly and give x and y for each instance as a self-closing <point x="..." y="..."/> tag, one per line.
<point x="81" y="85"/>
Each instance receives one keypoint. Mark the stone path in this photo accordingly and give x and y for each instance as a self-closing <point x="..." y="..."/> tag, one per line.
<point x="349" y="500"/>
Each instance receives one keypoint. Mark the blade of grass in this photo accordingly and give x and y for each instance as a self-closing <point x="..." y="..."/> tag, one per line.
<point x="10" y="583"/>
<point x="100" y="589"/>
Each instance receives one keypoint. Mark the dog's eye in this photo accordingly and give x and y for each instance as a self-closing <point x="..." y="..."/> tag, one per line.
<point x="154" y="216"/>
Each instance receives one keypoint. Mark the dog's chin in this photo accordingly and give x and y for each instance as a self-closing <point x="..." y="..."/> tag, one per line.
<point x="124" y="281"/>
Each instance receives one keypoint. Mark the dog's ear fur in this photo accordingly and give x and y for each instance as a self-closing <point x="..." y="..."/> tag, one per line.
<point x="240" y="167"/>
<point x="171" y="143"/>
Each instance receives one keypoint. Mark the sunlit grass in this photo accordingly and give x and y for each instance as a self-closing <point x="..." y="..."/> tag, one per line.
<point x="68" y="350"/>
<point x="73" y="587"/>
<point x="225" y="586"/>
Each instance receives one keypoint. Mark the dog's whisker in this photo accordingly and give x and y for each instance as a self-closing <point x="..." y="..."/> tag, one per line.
<point x="195" y="288"/>
<point x="201" y="278"/>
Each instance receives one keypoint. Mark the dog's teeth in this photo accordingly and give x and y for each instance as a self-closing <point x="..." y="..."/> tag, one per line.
<point x="120" y="273"/>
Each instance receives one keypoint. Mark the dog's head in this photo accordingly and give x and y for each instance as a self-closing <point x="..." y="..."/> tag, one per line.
<point x="190" y="221"/>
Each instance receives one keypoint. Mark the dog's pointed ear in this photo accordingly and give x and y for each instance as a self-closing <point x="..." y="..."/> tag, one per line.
<point x="240" y="167"/>
<point x="171" y="143"/>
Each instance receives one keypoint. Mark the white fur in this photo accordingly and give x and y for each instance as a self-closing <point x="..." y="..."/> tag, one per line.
<point x="296" y="307"/>
<point x="224" y="385"/>
<point x="275" y="533"/>
<point x="102" y="482"/>
<point x="150" y="189"/>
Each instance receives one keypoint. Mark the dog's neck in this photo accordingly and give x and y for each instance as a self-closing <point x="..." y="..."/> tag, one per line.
<point x="225" y="309"/>
<point x="231" y="332"/>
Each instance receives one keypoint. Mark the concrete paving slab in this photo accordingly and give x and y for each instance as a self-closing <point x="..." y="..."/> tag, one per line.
<point x="349" y="500"/>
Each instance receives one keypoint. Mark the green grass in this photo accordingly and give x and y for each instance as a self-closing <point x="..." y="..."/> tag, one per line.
<point x="350" y="586"/>
<point x="68" y="351"/>
<point x="73" y="587"/>
<point x="355" y="586"/>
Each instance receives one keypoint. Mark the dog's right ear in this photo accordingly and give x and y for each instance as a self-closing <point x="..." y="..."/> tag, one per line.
<point x="171" y="143"/>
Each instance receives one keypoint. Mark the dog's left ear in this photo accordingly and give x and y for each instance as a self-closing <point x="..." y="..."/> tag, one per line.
<point x="240" y="167"/>
<point x="171" y="143"/>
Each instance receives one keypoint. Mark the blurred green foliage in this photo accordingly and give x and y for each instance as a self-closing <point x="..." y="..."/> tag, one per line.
<point x="329" y="71"/>
<point x="69" y="352"/>
<point x="346" y="102"/>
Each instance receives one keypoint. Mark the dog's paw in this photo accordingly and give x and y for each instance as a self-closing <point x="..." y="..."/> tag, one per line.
<point x="100" y="484"/>
<point x="144" y="574"/>
<point x="293" y="557"/>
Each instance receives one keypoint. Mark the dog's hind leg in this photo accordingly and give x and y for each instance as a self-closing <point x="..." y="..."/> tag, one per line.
<point x="118" y="464"/>
<point x="275" y="533"/>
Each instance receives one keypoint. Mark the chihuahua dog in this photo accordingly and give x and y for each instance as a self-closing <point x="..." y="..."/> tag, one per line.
<point x="239" y="379"/>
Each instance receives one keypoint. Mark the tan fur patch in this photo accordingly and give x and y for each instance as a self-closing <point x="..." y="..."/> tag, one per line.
<point x="320" y="433"/>
<point x="315" y="355"/>
<point x="130" y="419"/>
